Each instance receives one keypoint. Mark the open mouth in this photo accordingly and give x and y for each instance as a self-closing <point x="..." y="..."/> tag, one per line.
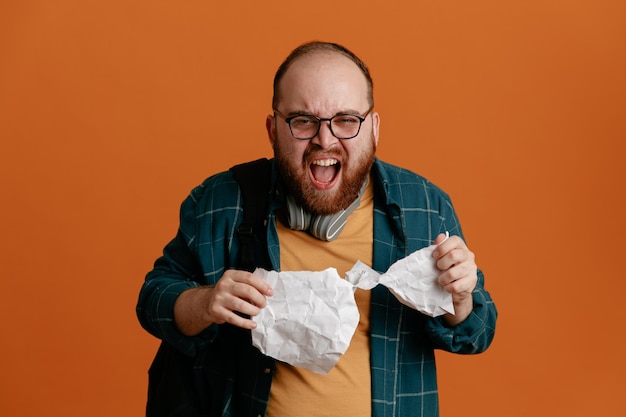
<point x="324" y="172"/>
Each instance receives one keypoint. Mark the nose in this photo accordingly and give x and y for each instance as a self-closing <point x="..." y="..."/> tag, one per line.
<point x="324" y="138"/>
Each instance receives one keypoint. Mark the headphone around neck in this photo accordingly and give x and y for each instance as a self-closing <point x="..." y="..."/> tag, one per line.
<point x="323" y="227"/>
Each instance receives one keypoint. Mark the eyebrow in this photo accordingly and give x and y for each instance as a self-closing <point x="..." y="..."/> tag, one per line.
<point x="308" y="113"/>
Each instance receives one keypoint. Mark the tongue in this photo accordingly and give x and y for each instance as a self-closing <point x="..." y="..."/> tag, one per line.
<point x="323" y="174"/>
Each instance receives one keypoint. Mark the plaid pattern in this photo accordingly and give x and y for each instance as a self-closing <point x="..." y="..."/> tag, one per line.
<point x="409" y="212"/>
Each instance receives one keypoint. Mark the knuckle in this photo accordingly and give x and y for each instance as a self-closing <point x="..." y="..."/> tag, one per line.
<point x="457" y="255"/>
<point x="455" y="273"/>
<point x="444" y="279"/>
<point x="245" y="307"/>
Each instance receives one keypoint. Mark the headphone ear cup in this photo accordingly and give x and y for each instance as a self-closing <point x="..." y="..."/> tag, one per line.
<point x="297" y="217"/>
<point x="328" y="228"/>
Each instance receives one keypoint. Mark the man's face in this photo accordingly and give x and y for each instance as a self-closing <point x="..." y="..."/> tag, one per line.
<point x="323" y="174"/>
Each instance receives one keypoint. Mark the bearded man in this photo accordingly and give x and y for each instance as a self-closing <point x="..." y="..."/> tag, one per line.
<point x="331" y="203"/>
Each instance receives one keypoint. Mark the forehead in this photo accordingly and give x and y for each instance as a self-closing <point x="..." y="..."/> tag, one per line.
<point x="323" y="79"/>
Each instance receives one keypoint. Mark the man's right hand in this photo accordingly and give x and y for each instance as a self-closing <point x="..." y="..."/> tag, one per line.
<point x="236" y="291"/>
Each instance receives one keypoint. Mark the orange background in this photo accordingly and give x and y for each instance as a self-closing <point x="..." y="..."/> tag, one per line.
<point x="110" y="112"/>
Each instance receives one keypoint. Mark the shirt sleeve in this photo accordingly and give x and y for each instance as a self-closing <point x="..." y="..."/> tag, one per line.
<point x="177" y="270"/>
<point x="475" y="333"/>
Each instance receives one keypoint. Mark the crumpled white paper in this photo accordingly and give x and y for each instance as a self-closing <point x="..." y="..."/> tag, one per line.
<point x="413" y="280"/>
<point x="312" y="316"/>
<point x="310" y="319"/>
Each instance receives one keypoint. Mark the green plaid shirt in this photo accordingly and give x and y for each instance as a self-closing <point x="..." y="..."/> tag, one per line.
<point x="409" y="212"/>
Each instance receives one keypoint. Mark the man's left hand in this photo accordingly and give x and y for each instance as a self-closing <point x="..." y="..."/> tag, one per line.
<point x="459" y="274"/>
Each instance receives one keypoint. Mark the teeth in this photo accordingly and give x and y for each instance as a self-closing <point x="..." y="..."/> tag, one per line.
<point x="325" y="162"/>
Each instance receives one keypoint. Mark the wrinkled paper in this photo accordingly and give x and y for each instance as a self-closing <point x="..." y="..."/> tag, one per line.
<point x="312" y="316"/>
<point x="310" y="319"/>
<point x="413" y="280"/>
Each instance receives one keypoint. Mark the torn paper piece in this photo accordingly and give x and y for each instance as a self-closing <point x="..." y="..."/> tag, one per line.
<point x="310" y="319"/>
<point x="413" y="281"/>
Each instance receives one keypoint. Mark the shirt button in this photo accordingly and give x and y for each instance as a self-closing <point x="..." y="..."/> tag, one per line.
<point x="267" y="370"/>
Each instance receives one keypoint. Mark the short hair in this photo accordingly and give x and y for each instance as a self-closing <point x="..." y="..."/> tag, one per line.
<point x="316" y="46"/>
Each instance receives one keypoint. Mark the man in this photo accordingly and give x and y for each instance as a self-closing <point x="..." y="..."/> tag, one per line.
<point x="324" y="134"/>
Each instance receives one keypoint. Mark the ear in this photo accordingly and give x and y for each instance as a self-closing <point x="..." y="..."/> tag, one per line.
<point x="375" y="126"/>
<point x="270" y="125"/>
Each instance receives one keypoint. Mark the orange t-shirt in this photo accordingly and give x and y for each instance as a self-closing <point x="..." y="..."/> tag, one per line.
<point x="346" y="390"/>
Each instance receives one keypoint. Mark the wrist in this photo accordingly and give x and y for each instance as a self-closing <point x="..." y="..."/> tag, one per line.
<point x="190" y="311"/>
<point x="462" y="309"/>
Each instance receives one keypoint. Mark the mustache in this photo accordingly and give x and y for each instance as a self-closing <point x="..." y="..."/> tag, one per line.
<point x="317" y="151"/>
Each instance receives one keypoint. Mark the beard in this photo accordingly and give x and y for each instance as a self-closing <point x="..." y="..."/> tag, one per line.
<point x="353" y="173"/>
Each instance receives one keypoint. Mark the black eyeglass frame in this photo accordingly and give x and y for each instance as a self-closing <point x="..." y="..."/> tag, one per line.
<point x="361" y="119"/>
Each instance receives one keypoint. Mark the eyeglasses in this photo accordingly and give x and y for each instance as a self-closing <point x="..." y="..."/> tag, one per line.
<point x="342" y="126"/>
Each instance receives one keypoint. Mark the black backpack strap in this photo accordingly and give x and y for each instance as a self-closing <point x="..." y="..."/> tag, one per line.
<point x="254" y="181"/>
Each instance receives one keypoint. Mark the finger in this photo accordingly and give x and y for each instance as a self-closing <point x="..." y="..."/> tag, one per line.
<point x="238" y="296"/>
<point x="238" y="293"/>
<point x="460" y="289"/>
<point x="440" y="238"/>
<point x="239" y="321"/>
<point x="244" y="323"/>
<point x="244" y="285"/>
<point x="255" y="281"/>
<point x="454" y="257"/>
<point x="453" y="242"/>
<point x="226" y="307"/>
<point x="463" y="272"/>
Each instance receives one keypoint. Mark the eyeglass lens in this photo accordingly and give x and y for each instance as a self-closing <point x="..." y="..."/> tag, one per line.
<point x="341" y="126"/>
